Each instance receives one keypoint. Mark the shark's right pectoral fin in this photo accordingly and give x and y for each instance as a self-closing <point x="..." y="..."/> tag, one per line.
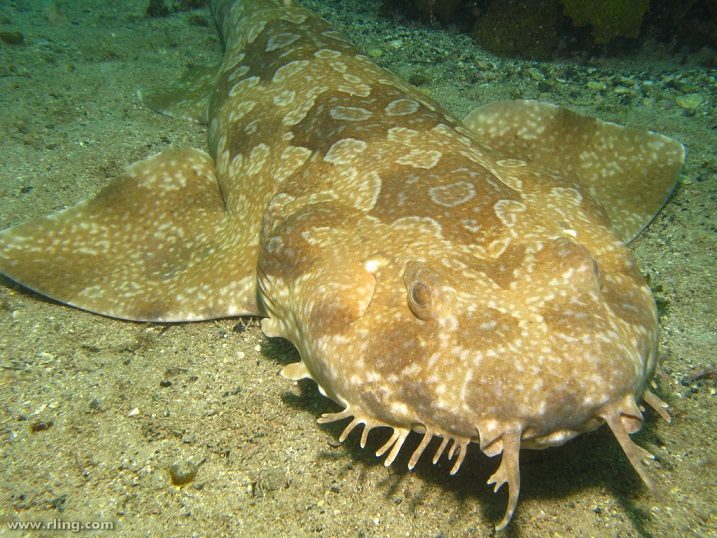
<point x="156" y="244"/>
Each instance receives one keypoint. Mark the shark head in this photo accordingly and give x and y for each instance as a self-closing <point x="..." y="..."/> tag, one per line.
<point x="524" y="337"/>
<point x="377" y="306"/>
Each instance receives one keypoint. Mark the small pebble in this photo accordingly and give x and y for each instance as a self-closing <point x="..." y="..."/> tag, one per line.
<point x="690" y="101"/>
<point x="40" y="425"/>
<point x="272" y="479"/>
<point x="182" y="473"/>
<point x="45" y="357"/>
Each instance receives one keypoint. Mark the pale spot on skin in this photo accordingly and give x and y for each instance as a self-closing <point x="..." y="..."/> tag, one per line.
<point x="362" y="90"/>
<point x="567" y="195"/>
<point x="255" y="30"/>
<point x="511" y="163"/>
<point x="452" y="195"/>
<point x="374" y="265"/>
<point x="401" y="134"/>
<point x="279" y="41"/>
<point x="236" y="163"/>
<point x="239" y="72"/>
<point x="425" y="225"/>
<point x="402" y="107"/>
<point x="327" y="53"/>
<point x="284" y="98"/>
<point x="333" y="34"/>
<point x="336" y="65"/>
<point x="302" y="105"/>
<point x="421" y="158"/>
<point x="368" y="191"/>
<point x="257" y="159"/>
<point x="472" y="225"/>
<point x="292" y="158"/>
<point x="345" y="151"/>
<point x="287" y="71"/>
<point x="508" y="211"/>
<point x="353" y="79"/>
<point x="498" y="247"/>
<point x="350" y="113"/>
<point x="240" y="110"/>
<point x="296" y="18"/>
<point x="243" y="86"/>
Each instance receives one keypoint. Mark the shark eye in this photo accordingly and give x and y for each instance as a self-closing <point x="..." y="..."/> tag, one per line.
<point x="421" y="294"/>
<point x="426" y="290"/>
<point x="420" y="300"/>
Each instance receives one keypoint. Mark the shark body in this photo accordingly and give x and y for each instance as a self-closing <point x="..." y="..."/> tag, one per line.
<point x="464" y="279"/>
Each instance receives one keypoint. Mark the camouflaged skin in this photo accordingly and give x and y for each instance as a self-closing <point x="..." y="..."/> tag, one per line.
<point x="464" y="280"/>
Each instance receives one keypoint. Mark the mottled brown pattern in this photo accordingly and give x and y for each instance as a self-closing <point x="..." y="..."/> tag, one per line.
<point x="319" y="130"/>
<point x="263" y="63"/>
<point x="501" y="270"/>
<point x="422" y="397"/>
<point x="400" y="346"/>
<point x="260" y="125"/>
<point x="488" y="326"/>
<point x="291" y="254"/>
<point x="406" y="192"/>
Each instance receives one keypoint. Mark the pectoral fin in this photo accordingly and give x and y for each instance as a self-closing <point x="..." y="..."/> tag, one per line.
<point x="156" y="244"/>
<point x="631" y="172"/>
<point x="188" y="98"/>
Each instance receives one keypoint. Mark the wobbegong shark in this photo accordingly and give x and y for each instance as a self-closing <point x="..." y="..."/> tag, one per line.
<point x="467" y="280"/>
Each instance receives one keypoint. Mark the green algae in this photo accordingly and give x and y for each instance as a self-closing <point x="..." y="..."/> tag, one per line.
<point x="514" y="27"/>
<point x="609" y="19"/>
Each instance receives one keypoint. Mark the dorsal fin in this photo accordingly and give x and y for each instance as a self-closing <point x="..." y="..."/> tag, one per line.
<point x="631" y="172"/>
<point x="156" y="244"/>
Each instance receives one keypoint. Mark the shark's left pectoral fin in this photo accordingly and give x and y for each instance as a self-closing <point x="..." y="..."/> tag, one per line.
<point x="188" y="98"/>
<point x="156" y="244"/>
<point x="631" y="172"/>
